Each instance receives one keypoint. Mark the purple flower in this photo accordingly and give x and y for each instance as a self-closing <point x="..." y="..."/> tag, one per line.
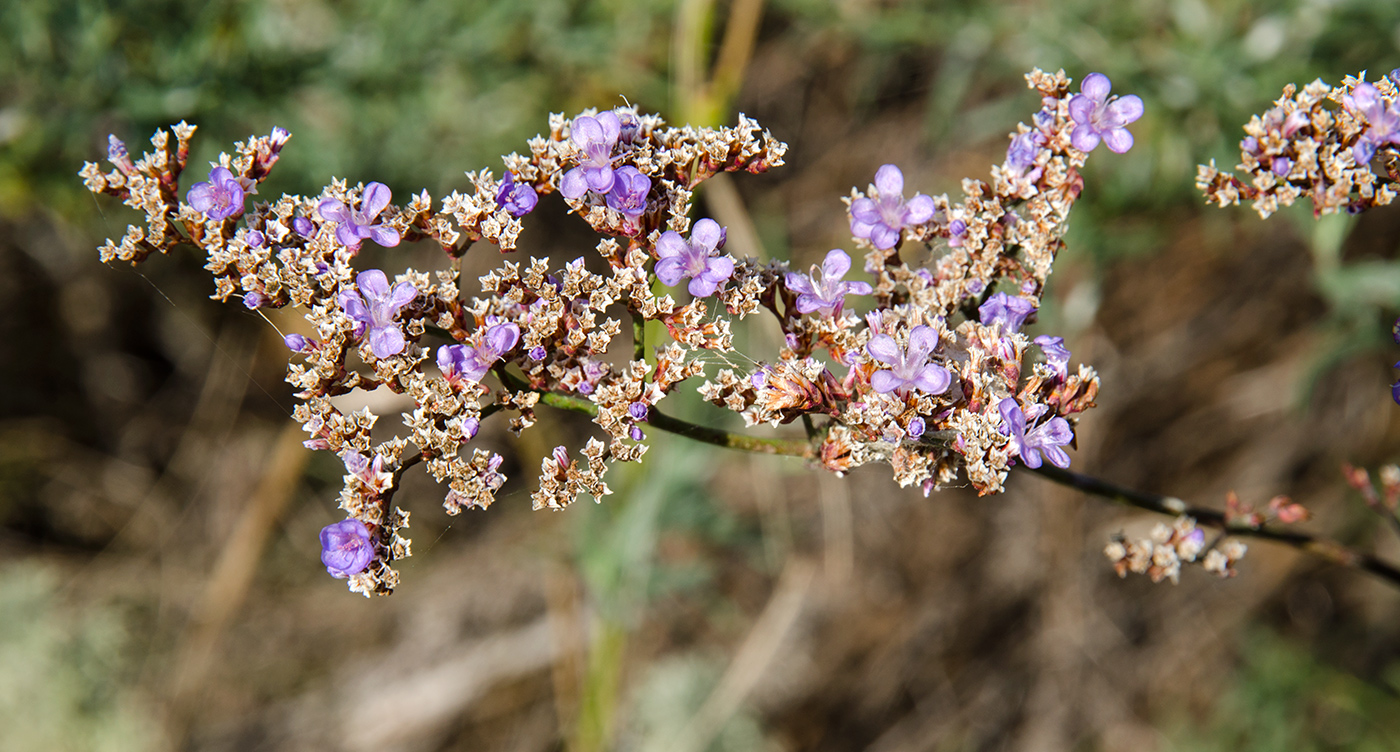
<point x="470" y="428"/>
<point x="880" y="218"/>
<point x="681" y="259"/>
<point x="915" y="429"/>
<point x="303" y="227"/>
<point x="1100" y="116"/>
<point x="595" y="138"/>
<point x="1382" y="122"/>
<point x="295" y="342"/>
<point x="220" y="198"/>
<point x="118" y="155"/>
<point x="254" y="300"/>
<point x="1006" y="310"/>
<point x="824" y="290"/>
<point x="1024" y="148"/>
<point x="1056" y="354"/>
<point x="517" y="198"/>
<point x="629" y="191"/>
<point x="374" y="313"/>
<point x="346" y="548"/>
<point x="638" y="410"/>
<point x="1047" y="437"/>
<point x="354" y="226"/>
<point x="470" y="363"/>
<point x="561" y="456"/>
<point x="910" y="368"/>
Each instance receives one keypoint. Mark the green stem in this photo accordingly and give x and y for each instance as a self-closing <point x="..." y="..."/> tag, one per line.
<point x="1324" y="548"/>
<point x="639" y="337"/>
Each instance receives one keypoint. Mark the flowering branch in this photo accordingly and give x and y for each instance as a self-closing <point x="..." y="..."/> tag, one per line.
<point x="1318" y="546"/>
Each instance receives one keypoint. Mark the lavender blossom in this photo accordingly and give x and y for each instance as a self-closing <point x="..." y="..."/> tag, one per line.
<point x="909" y="369"/>
<point x="693" y="259"/>
<point x="346" y="548"/>
<point x="1045" y="438"/>
<point x="824" y="290"/>
<point x="219" y="198"/>
<point x="354" y="226"/>
<point x="1101" y="117"/>
<point x="296" y="342"/>
<point x="1008" y="311"/>
<point x="303" y="227"/>
<point x="1382" y="122"/>
<point x="595" y="138"/>
<point x="374" y="312"/>
<point x="916" y="428"/>
<point x="470" y="363"/>
<point x="118" y="155"/>
<point x="518" y="199"/>
<point x="1021" y="154"/>
<point x="1056" y="354"/>
<point x="881" y="218"/>
<point x="629" y="191"/>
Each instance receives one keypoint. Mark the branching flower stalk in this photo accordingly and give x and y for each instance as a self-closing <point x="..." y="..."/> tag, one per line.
<point x="934" y="377"/>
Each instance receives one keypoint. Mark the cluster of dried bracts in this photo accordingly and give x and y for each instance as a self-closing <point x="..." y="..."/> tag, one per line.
<point x="925" y="368"/>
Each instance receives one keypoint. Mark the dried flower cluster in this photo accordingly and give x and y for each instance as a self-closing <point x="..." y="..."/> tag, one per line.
<point x="932" y="378"/>
<point x="1161" y="555"/>
<point x="1324" y="143"/>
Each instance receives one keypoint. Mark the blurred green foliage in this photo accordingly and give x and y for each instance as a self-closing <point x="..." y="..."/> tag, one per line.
<point x="1285" y="701"/>
<point x="66" y="672"/>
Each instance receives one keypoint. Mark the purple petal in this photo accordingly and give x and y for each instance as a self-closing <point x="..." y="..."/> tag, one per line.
<point x="806" y="303"/>
<point x="703" y="286"/>
<point x="889" y="181"/>
<point x="918" y="210"/>
<point x="609" y="126"/>
<point x="885" y="382"/>
<point x="1056" y="455"/>
<point x="384" y="235"/>
<point x="670" y="245"/>
<point x="1055" y="431"/>
<point x="933" y="379"/>
<point x="1118" y="140"/>
<point x="573" y="185"/>
<point x="201" y="197"/>
<point x="1084" y="138"/>
<point x="1030" y="456"/>
<point x="385" y="341"/>
<point x="719" y="268"/>
<point x="858" y="288"/>
<point x="800" y="284"/>
<point x="1096" y="86"/>
<point x="345" y="233"/>
<point x="835" y="265"/>
<point x="1081" y="108"/>
<point x="865" y="211"/>
<point x="373" y="284"/>
<point x="502" y="337"/>
<point x="375" y="198"/>
<point x="586" y="130"/>
<point x="402" y="294"/>
<point x="599" y="179"/>
<point x="220" y="175"/>
<point x="1013" y="420"/>
<point x="922" y="341"/>
<point x="333" y="210"/>
<point x="883" y="348"/>
<point x="706" y="234"/>
<point x="884" y="237"/>
<point x="354" y="306"/>
<point x="1125" y="110"/>
<point x="670" y="271"/>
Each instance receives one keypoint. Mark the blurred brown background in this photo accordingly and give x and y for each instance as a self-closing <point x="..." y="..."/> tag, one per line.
<point x="161" y="585"/>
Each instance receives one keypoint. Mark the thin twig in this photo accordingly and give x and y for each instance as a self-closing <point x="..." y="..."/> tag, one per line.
<point x="1318" y="546"/>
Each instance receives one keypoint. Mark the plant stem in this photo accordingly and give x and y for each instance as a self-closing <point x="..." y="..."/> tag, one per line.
<point x="1317" y="546"/>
